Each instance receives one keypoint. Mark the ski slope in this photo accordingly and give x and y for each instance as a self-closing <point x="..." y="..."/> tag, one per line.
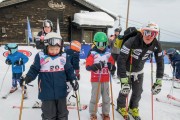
<point x="162" y="111"/>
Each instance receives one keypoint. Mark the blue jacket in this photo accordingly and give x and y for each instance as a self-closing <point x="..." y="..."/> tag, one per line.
<point x="53" y="73"/>
<point x="16" y="57"/>
<point x="73" y="57"/>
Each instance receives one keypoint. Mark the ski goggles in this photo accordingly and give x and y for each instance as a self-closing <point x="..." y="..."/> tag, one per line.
<point x="101" y="44"/>
<point x="6" y="47"/>
<point x="53" y="42"/>
<point x="150" y="33"/>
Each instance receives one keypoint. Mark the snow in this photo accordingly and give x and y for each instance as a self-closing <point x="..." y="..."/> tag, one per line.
<point x="162" y="111"/>
<point x="93" y="18"/>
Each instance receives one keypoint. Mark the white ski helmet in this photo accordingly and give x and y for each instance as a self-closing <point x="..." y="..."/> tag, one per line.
<point x="53" y="39"/>
<point x="150" y="26"/>
<point x="47" y="23"/>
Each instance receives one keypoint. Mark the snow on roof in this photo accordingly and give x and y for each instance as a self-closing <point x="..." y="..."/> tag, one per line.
<point x="93" y="18"/>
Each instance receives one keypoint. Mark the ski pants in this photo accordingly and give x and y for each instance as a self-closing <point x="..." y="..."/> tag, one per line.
<point x="137" y="90"/>
<point x="104" y="91"/>
<point x="54" y="109"/>
<point x="16" y="78"/>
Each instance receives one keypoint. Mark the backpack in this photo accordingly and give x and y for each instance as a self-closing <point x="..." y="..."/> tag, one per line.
<point x="118" y="42"/>
<point x="129" y="32"/>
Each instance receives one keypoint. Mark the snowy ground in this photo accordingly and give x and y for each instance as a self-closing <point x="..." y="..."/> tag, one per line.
<point x="162" y="111"/>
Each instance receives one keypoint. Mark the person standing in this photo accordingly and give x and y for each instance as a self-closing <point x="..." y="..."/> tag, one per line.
<point x="18" y="61"/>
<point x="47" y="28"/>
<point x="53" y="69"/>
<point x="133" y="55"/>
<point x="115" y="42"/>
<point x="101" y="64"/>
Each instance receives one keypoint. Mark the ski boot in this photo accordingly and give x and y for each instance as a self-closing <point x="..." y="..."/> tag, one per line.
<point x="105" y="117"/>
<point x="124" y="113"/>
<point x="93" y="117"/>
<point x="135" y="113"/>
<point x="13" y="89"/>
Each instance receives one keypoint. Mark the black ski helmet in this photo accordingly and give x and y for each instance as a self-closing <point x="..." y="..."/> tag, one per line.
<point x="118" y="29"/>
<point x="47" y="23"/>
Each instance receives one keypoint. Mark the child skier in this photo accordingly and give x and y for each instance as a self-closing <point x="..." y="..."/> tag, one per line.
<point x="174" y="57"/>
<point x="17" y="60"/>
<point x="53" y="69"/>
<point x="98" y="62"/>
<point x="73" y="57"/>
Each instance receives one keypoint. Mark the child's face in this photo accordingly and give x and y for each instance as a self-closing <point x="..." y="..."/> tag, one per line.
<point x="47" y="29"/>
<point x="53" y="50"/>
<point x="101" y="48"/>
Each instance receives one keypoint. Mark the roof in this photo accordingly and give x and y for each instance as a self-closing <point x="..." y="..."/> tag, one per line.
<point x="4" y="3"/>
<point x="93" y="19"/>
<point x="92" y="6"/>
<point x="86" y="3"/>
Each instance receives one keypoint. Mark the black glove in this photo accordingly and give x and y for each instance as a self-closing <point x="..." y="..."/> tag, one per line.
<point x="111" y="67"/>
<point x="26" y="79"/>
<point x="8" y="62"/>
<point x="75" y="85"/>
<point x="18" y="62"/>
<point x="97" y="66"/>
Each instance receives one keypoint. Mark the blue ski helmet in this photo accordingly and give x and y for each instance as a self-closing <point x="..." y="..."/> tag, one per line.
<point x="12" y="47"/>
<point x="170" y="51"/>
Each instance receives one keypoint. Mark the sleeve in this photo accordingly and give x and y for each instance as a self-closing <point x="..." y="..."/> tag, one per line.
<point x="123" y="58"/>
<point x="111" y="60"/>
<point x="76" y="61"/>
<point x="35" y="68"/>
<point x="24" y="58"/>
<point x="89" y="62"/>
<point x="159" y="61"/>
<point x="110" y="42"/>
<point x="69" y="71"/>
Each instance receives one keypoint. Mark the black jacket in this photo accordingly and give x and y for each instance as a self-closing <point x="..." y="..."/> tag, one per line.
<point x="140" y="53"/>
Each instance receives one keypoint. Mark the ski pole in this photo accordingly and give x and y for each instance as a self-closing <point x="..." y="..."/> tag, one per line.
<point x="22" y="101"/>
<point x="97" y="95"/>
<point x="152" y="104"/>
<point x="79" y="99"/>
<point x="4" y="77"/>
<point x="112" y="95"/>
<point x="77" y="105"/>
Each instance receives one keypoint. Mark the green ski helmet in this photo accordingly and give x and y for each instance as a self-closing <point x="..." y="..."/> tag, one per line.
<point x="100" y="39"/>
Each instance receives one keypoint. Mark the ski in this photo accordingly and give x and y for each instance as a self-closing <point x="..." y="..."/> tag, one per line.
<point x="83" y="107"/>
<point x="168" y="102"/>
<point x="176" y="87"/>
<point x="173" y="98"/>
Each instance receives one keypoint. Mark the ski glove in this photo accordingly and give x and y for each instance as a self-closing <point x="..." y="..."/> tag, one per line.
<point x="111" y="67"/>
<point x="156" y="88"/>
<point x="26" y="79"/>
<point x="75" y="85"/>
<point x="18" y="62"/>
<point x="125" y="86"/>
<point x="77" y="74"/>
<point x="97" y="66"/>
<point x="8" y="62"/>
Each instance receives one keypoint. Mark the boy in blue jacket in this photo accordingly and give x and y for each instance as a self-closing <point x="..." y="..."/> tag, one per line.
<point x="53" y="69"/>
<point x="17" y="60"/>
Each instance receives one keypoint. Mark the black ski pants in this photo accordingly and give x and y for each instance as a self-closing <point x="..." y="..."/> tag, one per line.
<point x="137" y="90"/>
<point x="54" y="110"/>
